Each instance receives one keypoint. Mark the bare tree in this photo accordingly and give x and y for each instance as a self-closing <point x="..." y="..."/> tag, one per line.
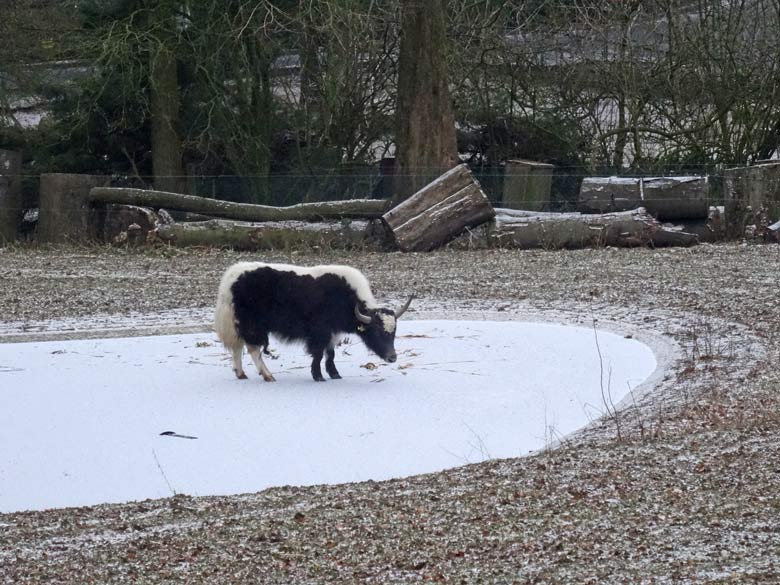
<point x="138" y="43"/>
<point x="32" y="32"/>
<point x="679" y="82"/>
<point x="725" y="80"/>
<point x="234" y="45"/>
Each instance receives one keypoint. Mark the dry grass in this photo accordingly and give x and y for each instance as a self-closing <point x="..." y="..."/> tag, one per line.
<point x="688" y="493"/>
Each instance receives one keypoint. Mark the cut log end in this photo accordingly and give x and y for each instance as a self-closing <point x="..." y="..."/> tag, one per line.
<point x="439" y="212"/>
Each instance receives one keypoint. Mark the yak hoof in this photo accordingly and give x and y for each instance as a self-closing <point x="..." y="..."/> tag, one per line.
<point x="241" y="376"/>
<point x="269" y="378"/>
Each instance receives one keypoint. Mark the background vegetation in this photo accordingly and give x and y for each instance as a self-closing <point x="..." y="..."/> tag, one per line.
<point x="295" y="100"/>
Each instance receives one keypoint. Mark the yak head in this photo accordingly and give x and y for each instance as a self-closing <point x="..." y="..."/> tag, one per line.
<point x="376" y="327"/>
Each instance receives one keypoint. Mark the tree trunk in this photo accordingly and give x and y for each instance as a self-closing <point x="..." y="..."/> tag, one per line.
<point x="10" y="194"/>
<point x="426" y="145"/>
<point x="439" y="212"/>
<point x="667" y="198"/>
<point x="265" y="236"/>
<point x="354" y="209"/>
<point x="64" y="207"/>
<point x="167" y="162"/>
<point x="513" y="229"/>
<point x="259" y="149"/>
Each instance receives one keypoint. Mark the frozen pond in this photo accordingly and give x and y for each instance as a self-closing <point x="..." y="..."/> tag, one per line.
<point x="82" y="422"/>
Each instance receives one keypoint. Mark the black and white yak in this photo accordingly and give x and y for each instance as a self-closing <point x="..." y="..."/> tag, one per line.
<point x="315" y="305"/>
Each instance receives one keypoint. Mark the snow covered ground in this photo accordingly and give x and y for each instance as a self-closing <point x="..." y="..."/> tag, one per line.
<point x="110" y="420"/>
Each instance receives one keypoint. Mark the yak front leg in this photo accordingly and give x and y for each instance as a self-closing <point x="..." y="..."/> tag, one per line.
<point x="330" y="366"/>
<point x="256" y="353"/>
<point x="316" y="370"/>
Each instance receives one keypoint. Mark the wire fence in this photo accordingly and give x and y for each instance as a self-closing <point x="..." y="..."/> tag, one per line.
<point x="544" y="189"/>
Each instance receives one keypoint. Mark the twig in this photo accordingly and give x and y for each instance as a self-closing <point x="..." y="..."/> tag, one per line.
<point x="162" y="472"/>
<point x="606" y="396"/>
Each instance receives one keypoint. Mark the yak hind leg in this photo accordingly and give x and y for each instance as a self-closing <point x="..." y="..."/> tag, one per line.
<point x="237" y="352"/>
<point x="330" y="366"/>
<point x="256" y="353"/>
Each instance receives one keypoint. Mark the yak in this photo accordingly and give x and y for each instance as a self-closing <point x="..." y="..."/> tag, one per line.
<point x="314" y="305"/>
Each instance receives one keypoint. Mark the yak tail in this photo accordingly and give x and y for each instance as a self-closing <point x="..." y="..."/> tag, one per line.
<point x="225" y="316"/>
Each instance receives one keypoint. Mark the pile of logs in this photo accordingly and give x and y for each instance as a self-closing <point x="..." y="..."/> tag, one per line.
<point x="244" y="226"/>
<point x="453" y="210"/>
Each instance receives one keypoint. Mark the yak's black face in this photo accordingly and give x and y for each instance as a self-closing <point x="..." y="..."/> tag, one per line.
<point x="379" y="334"/>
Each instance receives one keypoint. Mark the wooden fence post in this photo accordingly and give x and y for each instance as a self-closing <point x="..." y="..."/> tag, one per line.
<point x="65" y="207"/>
<point x="527" y="185"/>
<point x="10" y="194"/>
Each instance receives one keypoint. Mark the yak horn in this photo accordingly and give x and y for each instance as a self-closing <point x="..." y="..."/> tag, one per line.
<point x="402" y="310"/>
<point x="365" y="319"/>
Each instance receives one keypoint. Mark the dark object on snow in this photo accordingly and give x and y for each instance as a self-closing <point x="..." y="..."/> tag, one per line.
<point x="177" y="435"/>
<point x="314" y="305"/>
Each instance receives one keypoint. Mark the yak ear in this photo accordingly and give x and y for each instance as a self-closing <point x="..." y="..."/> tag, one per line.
<point x="365" y="319"/>
<point x="402" y="310"/>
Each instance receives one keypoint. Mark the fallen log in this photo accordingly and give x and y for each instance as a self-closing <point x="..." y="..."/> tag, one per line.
<point x="666" y="198"/>
<point x="275" y="235"/>
<point x="439" y="212"/>
<point x="184" y="216"/>
<point x="526" y="229"/>
<point x="352" y="209"/>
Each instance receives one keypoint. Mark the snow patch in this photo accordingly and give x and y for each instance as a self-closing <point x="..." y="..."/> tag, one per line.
<point x="110" y="420"/>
